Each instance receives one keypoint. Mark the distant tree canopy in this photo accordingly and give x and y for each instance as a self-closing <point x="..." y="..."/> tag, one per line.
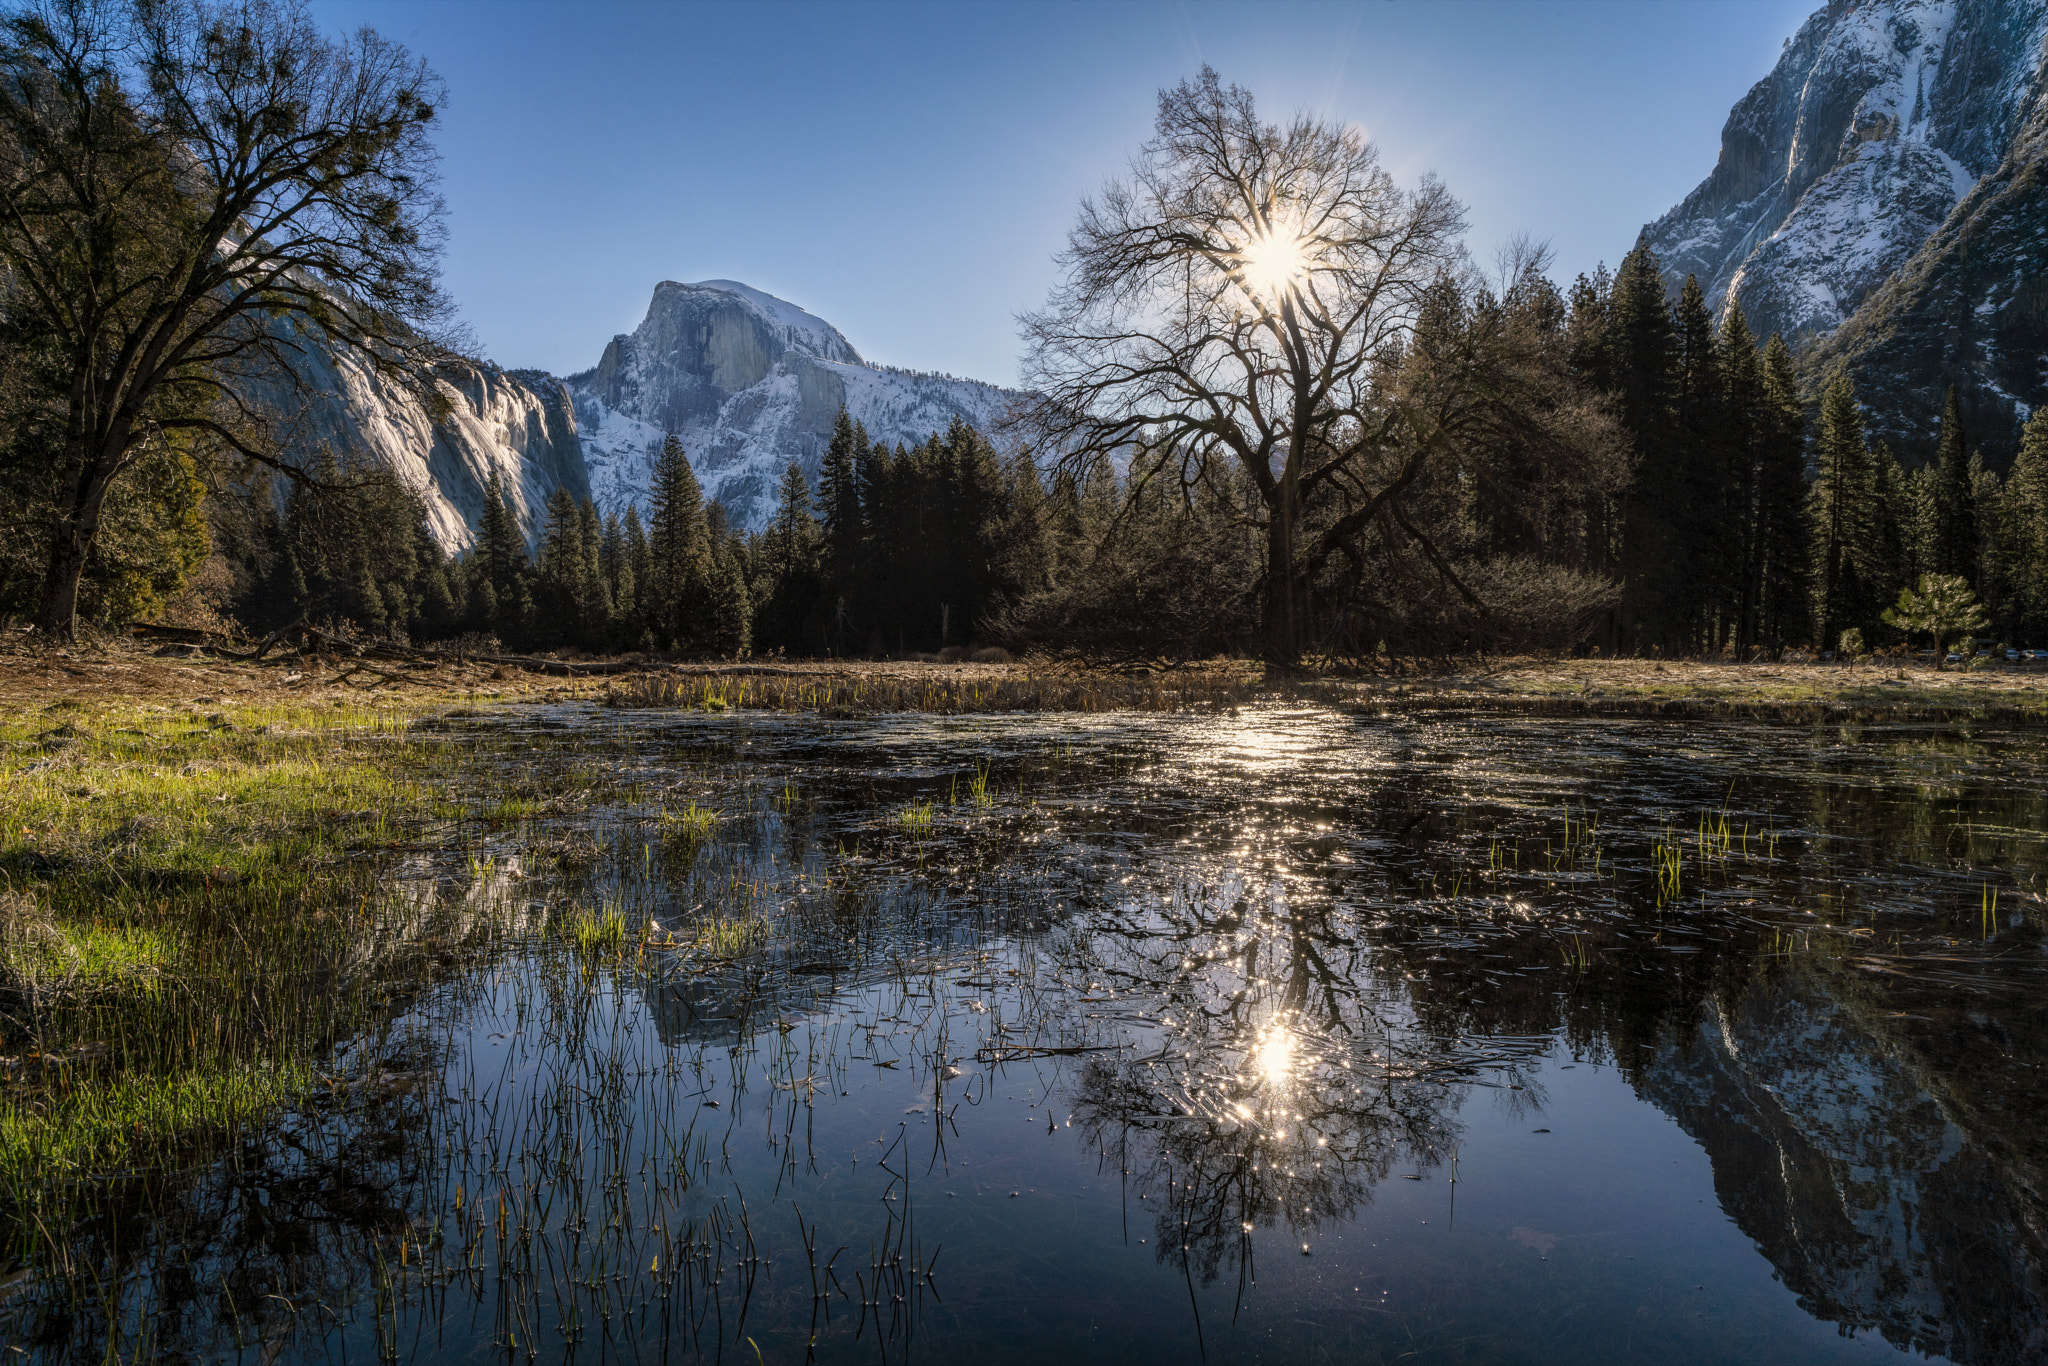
<point x="1275" y="410"/>
<point x="191" y="194"/>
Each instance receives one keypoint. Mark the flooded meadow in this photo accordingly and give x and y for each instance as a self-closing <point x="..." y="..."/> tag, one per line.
<point x="1269" y="1033"/>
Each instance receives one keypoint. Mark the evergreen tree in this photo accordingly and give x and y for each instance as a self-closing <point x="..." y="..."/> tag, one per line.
<point x="2026" y="531"/>
<point x="501" y="551"/>
<point x="1746" y="432"/>
<point x="1643" y="355"/>
<point x="1782" y="558"/>
<point x="1706" y="512"/>
<point x="1955" y="521"/>
<point x="727" y="625"/>
<point x="1938" y="605"/>
<point x="678" y="552"/>
<point x="561" y="564"/>
<point x="788" y="581"/>
<point x="839" y="487"/>
<point x="1843" y="517"/>
<point x="639" y="566"/>
<point x="615" y="570"/>
<point x="1891" y="554"/>
<point x="593" y="589"/>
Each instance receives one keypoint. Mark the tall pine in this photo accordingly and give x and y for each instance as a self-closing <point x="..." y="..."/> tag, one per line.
<point x="1643" y="359"/>
<point x="1843" y="518"/>
<point x="680" y="560"/>
<point x="1955" y="518"/>
<point x="2026" y="531"/>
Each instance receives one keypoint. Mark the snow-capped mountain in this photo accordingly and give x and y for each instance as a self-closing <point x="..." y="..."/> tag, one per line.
<point x="1877" y="135"/>
<point x="749" y="383"/>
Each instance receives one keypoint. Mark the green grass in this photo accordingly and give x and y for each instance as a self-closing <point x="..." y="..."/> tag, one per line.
<point x="594" y="933"/>
<point x="691" y="825"/>
<point x="40" y="957"/>
<point x="723" y="937"/>
<point x="126" y="1121"/>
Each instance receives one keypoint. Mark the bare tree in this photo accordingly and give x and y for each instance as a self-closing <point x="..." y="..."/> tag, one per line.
<point x="1241" y="296"/>
<point x="192" y="194"/>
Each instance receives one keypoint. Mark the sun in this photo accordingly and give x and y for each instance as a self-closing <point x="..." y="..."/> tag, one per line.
<point x="1273" y="262"/>
<point x="1274" y="1056"/>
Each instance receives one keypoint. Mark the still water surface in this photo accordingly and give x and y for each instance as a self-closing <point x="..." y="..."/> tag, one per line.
<point x="1287" y="1036"/>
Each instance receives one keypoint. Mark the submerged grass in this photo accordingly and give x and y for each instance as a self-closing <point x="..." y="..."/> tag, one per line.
<point x="193" y="912"/>
<point x="122" y="1124"/>
<point x="856" y="693"/>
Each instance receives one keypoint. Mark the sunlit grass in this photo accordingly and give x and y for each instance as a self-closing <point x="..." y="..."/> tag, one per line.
<point x="594" y="933"/>
<point x="118" y="1123"/>
<point x="691" y="824"/>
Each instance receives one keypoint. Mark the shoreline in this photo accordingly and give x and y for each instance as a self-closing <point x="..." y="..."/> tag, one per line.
<point x="1537" y="689"/>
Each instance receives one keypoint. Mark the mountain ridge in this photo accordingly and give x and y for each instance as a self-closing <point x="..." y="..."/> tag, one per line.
<point x="1861" y="153"/>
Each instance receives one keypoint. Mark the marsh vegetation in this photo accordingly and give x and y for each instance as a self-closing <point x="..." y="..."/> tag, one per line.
<point x="566" y="1029"/>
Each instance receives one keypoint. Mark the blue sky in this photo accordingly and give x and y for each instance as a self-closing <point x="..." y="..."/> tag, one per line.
<point x="906" y="171"/>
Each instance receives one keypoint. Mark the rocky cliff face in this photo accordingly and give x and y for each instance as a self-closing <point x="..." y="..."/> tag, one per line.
<point x="749" y="383"/>
<point x="519" y="424"/>
<point x="1872" y="141"/>
<point x="1848" y="1168"/>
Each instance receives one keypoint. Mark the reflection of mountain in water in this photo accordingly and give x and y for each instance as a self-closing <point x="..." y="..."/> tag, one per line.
<point x="1852" y="1179"/>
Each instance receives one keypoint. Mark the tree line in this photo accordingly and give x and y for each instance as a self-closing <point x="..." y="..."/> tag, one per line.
<point x="1272" y="409"/>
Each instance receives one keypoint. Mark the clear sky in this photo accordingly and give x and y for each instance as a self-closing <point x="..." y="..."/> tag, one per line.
<point x="906" y="171"/>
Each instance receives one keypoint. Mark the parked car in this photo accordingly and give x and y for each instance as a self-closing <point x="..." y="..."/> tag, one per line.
<point x="1923" y="654"/>
<point x="1954" y="657"/>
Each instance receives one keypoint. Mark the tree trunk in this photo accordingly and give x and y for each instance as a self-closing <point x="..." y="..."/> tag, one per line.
<point x="70" y="544"/>
<point x="1281" y="629"/>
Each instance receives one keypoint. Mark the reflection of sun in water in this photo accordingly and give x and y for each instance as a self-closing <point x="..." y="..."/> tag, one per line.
<point x="1273" y="262"/>
<point x="1275" y="1055"/>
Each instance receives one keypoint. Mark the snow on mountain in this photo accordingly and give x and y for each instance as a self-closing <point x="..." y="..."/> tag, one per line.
<point x="1861" y="147"/>
<point x="749" y="383"/>
<point x="1840" y="163"/>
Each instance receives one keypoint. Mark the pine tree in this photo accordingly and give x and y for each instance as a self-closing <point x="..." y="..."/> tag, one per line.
<point x="1955" y="521"/>
<point x="1782" y="557"/>
<point x="788" y="582"/>
<point x="2026" y="530"/>
<point x="727" y="627"/>
<point x="1995" y="581"/>
<point x="1938" y="605"/>
<point x="1746" y="430"/>
<point x="593" y="590"/>
<point x="677" y="547"/>
<point x="1843" y="516"/>
<point x="1891" y="555"/>
<point x="840" y="496"/>
<point x="561" y="561"/>
<point x="502" y="551"/>
<point x="1707" y="514"/>
<point x="639" y="567"/>
<point x="615" y="571"/>
<point x="1643" y="351"/>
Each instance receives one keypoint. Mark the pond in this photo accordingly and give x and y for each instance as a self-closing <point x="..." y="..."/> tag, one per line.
<point x="1284" y="1034"/>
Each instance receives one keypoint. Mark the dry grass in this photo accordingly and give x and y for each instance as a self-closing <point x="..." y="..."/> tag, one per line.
<point x="121" y="670"/>
<point x="939" y="691"/>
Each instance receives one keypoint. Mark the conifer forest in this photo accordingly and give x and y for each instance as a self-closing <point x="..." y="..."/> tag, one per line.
<point x="1282" y="764"/>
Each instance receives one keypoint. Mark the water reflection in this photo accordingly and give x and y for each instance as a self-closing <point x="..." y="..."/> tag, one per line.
<point x="1258" y="986"/>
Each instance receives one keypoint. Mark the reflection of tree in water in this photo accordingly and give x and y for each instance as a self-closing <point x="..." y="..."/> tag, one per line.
<point x="1290" y="1083"/>
<point x="256" y="1250"/>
